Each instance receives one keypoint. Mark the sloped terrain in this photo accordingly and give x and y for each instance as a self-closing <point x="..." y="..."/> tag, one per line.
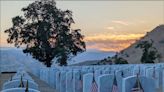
<point x="90" y="57"/>
<point x="133" y="55"/>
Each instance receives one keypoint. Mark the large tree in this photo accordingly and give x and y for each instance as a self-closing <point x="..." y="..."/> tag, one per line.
<point x="45" y="32"/>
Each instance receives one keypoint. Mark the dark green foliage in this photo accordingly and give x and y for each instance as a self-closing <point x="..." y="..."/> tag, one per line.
<point x="113" y="60"/>
<point x="46" y="32"/>
<point x="105" y="61"/>
<point x="149" y="52"/>
<point x="119" y="60"/>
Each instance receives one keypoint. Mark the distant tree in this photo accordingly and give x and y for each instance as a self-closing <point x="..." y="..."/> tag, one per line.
<point x="113" y="60"/>
<point x="119" y="60"/>
<point x="46" y="33"/>
<point x="159" y="56"/>
<point x="150" y="53"/>
<point x="105" y="61"/>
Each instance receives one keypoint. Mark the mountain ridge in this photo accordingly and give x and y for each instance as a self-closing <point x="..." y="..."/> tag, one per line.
<point x="133" y="55"/>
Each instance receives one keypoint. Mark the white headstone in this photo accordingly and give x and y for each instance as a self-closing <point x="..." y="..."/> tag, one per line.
<point x="105" y="83"/>
<point x="52" y="77"/>
<point x="58" y="75"/>
<point x="119" y="77"/>
<point x="148" y="84"/>
<point x="87" y="81"/>
<point x="69" y="81"/>
<point x="63" y="81"/>
<point x="153" y="73"/>
<point x="77" y="83"/>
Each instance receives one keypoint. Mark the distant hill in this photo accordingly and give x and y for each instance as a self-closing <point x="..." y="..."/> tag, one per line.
<point x="89" y="57"/>
<point x="12" y="58"/>
<point x="133" y="55"/>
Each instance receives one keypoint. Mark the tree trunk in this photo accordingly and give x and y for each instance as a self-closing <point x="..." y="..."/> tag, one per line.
<point x="48" y="63"/>
<point x="63" y="61"/>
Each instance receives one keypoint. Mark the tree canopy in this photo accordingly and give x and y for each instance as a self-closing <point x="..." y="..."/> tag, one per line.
<point x="46" y="33"/>
<point x="150" y="53"/>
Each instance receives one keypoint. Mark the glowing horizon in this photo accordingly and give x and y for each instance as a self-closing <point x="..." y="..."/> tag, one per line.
<point x="106" y="25"/>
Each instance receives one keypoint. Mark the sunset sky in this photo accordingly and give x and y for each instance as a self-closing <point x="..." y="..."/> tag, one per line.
<point x="107" y="25"/>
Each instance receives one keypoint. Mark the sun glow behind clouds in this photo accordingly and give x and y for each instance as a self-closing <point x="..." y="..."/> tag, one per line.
<point x="114" y="37"/>
<point x="111" y="42"/>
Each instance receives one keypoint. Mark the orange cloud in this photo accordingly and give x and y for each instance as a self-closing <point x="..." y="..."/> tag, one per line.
<point x="111" y="42"/>
<point x="110" y="28"/>
<point x="121" y="22"/>
<point x="104" y="37"/>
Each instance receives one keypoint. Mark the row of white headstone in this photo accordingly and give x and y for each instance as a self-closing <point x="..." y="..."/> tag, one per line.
<point x="20" y="82"/>
<point x="106" y="78"/>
